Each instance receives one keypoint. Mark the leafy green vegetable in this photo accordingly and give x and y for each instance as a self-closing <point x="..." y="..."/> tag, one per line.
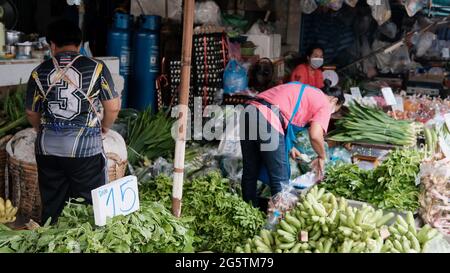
<point x="149" y="136"/>
<point x="151" y="229"/>
<point x="222" y="219"/>
<point x="390" y="185"/>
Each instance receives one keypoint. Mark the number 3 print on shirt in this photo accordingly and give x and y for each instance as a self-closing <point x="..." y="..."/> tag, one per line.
<point x="67" y="102"/>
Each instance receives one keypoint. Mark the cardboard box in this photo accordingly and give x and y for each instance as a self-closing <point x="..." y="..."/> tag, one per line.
<point x="269" y="46"/>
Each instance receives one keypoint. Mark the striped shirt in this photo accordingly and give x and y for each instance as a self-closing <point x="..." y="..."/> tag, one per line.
<point x="69" y="125"/>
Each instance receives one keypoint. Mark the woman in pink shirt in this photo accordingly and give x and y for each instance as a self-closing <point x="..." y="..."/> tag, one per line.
<point x="268" y="127"/>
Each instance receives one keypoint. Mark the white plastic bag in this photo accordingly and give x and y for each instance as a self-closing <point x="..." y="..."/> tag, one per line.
<point x="381" y="10"/>
<point x="308" y="6"/>
<point x="305" y="181"/>
<point x="207" y="12"/>
<point x="425" y="42"/>
<point x="413" y="6"/>
<point x="436" y="245"/>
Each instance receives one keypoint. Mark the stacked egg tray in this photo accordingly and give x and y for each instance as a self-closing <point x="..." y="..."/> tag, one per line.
<point x="209" y="61"/>
<point x="209" y="58"/>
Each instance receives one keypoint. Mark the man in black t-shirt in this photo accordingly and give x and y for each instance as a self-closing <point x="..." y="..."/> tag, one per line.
<point x="63" y="101"/>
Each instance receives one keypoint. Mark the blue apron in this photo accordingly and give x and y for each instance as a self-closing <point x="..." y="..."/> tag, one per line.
<point x="290" y="138"/>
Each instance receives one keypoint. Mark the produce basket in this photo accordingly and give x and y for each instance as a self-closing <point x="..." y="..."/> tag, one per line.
<point x="116" y="166"/>
<point x="23" y="176"/>
<point x="3" y="159"/>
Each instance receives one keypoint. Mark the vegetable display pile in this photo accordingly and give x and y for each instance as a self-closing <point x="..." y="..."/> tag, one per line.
<point x="14" y="112"/>
<point x="323" y="223"/>
<point x="222" y="219"/>
<point x="149" y="136"/>
<point x="371" y="125"/>
<point x="151" y="229"/>
<point x="390" y="185"/>
<point x="421" y="108"/>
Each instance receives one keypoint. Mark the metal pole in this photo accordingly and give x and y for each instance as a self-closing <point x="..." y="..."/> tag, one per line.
<point x="180" y="144"/>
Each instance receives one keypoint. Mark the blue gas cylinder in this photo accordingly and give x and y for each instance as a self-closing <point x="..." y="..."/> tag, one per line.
<point x="119" y="45"/>
<point x="146" y="62"/>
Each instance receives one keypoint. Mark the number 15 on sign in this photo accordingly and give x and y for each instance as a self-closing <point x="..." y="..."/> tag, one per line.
<point x="120" y="197"/>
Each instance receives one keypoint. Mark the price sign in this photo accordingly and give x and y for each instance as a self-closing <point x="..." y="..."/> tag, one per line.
<point x="388" y="96"/>
<point x="348" y="99"/>
<point x="120" y="197"/>
<point x="356" y="93"/>
<point x="399" y="105"/>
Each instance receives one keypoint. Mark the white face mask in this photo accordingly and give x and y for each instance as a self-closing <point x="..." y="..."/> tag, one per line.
<point x="316" y="62"/>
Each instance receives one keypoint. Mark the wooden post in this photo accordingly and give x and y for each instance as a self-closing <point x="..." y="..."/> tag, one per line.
<point x="180" y="144"/>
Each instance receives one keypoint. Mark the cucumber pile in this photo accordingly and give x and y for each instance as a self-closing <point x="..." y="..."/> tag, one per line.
<point x="322" y="223"/>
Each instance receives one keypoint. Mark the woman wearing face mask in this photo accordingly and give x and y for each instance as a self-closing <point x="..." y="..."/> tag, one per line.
<point x="310" y="73"/>
<point x="269" y="126"/>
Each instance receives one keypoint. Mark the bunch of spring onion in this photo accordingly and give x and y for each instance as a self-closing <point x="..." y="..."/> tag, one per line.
<point x="371" y="125"/>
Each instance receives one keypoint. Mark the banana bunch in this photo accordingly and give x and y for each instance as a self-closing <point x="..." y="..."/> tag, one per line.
<point x="322" y="223"/>
<point x="7" y="211"/>
<point x="404" y="237"/>
<point x="262" y="243"/>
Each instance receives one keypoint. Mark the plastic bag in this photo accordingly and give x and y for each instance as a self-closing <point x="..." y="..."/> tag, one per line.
<point x="381" y="10"/>
<point x="437" y="245"/>
<point x="340" y="154"/>
<point x="413" y="6"/>
<point x="424" y="43"/>
<point x="235" y="78"/>
<point x="400" y="60"/>
<point x="207" y="12"/>
<point x="335" y="4"/>
<point x="308" y="6"/>
<point x="389" y="29"/>
<point x="162" y="166"/>
<point x="434" y="196"/>
<point x="351" y="3"/>
<point x="305" y="181"/>
<point x="283" y="201"/>
<point x="230" y="140"/>
<point x="232" y="168"/>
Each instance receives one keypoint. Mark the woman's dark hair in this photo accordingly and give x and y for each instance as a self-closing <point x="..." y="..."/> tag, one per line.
<point x="63" y="33"/>
<point x="309" y="52"/>
<point x="311" y="49"/>
<point x="337" y="93"/>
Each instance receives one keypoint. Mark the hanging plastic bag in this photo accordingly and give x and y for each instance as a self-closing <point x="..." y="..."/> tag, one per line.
<point x="424" y="43"/>
<point x="335" y="4"/>
<point x="235" y="78"/>
<point x="351" y="3"/>
<point x="207" y="12"/>
<point x="381" y="10"/>
<point x="413" y="6"/>
<point x="230" y="140"/>
<point x="389" y="29"/>
<point x="308" y="6"/>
